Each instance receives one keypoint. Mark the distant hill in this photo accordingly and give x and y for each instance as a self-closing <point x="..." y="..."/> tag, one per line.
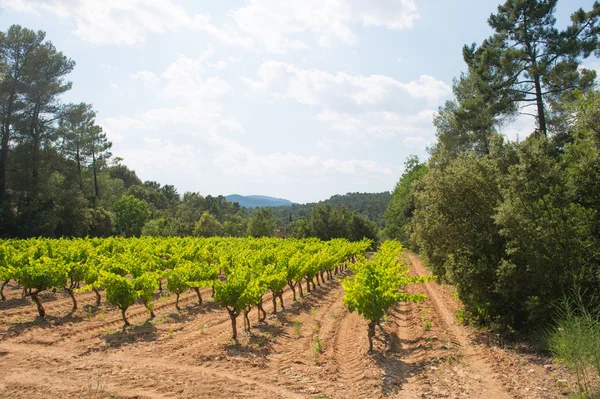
<point x="255" y="201"/>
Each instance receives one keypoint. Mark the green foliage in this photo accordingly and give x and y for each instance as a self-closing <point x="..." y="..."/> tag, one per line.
<point x="208" y="226"/>
<point x="328" y="222"/>
<point x="146" y="284"/>
<point x="399" y="212"/>
<point x="42" y="273"/>
<point x="120" y="291"/>
<point x="131" y="214"/>
<point x="376" y="285"/>
<point x="261" y="224"/>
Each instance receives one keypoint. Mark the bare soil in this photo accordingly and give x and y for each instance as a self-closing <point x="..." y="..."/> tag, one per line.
<point x="421" y="351"/>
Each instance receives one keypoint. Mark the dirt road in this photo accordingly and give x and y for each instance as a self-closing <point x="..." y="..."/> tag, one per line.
<point x="421" y="352"/>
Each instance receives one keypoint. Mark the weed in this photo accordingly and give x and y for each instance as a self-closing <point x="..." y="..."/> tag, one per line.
<point x="170" y="333"/>
<point x="575" y="341"/>
<point x="101" y="313"/>
<point x="332" y="314"/>
<point x="317" y="347"/>
<point x="460" y="316"/>
<point x="425" y="320"/>
<point x="94" y="390"/>
<point x="426" y="324"/>
<point x="297" y="328"/>
<point x="313" y="312"/>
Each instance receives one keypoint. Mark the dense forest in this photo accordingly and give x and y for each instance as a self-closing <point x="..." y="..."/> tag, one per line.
<point x="514" y="225"/>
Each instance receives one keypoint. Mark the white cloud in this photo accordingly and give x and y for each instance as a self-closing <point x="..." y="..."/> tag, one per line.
<point x="378" y="124"/>
<point x="260" y="25"/>
<point x="148" y="78"/>
<point x="311" y="86"/>
<point x="124" y="22"/>
<point x="277" y="25"/>
<point x="185" y="80"/>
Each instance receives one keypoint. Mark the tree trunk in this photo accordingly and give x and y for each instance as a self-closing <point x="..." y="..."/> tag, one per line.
<point x="72" y="295"/>
<point x="372" y="325"/>
<point x="307" y="285"/>
<point x="152" y="315"/>
<point x="274" y="303"/>
<point x="35" y="150"/>
<point x="317" y="278"/>
<point x="233" y="317"/>
<point x="98" y="297"/>
<point x="198" y="293"/>
<point x="124" y="318"/>
<point x="177" y="302"/>
<point x="260" y="308"/>
<point x="78" y="159"/>
<point x="2" y="297"/>
<point x="280" y="295"/>
<point x="95" y="175"/>
<point x="5" y="142"/>
<point x="540" y="104"/>
<point x="212" y="295"/>
<point x="300" y="289"/>
<point x="247" y="319"/>
<point x="292" y="286"/>
<point x="41" y="311"/>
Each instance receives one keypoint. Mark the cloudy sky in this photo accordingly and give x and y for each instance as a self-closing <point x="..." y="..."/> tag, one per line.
<point x="299" y="99"/>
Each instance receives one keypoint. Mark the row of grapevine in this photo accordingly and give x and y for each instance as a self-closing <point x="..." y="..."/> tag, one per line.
<point x="240" y="271"/>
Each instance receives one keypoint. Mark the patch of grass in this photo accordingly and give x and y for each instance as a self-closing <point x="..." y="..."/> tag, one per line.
<point x="313" y="312"/>
<point x="170" y="333"/>
<point x="460" y="316"/>
<point x="297" y="328"/>
<point x="164" y="296"/>
<point x="94" y="390"/>
<point x="575" y="342"/>
<point x="332" y="314"/>
<point x="425" y="320"/>
<point x="317" y="347"/>
<point x="426" y="324"/>
<point x="101" y="313"/>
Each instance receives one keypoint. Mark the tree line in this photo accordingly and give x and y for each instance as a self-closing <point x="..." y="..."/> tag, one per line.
<point x="58" y="177"/>
<point x="515" y="225"/>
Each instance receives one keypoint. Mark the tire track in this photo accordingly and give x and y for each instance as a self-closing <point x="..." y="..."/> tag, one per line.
<point x="486" y="384"/>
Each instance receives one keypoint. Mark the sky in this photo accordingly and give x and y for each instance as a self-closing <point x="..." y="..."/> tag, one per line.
<point x="297" y="99"/>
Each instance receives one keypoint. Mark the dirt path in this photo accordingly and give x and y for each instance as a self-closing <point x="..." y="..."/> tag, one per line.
<point x="421" y="351"/>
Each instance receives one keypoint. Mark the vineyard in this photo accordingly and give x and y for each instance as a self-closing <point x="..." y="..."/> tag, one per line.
<point x="158" y="318"/>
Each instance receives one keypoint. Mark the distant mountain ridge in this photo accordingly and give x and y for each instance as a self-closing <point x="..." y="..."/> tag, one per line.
<point x="255" y="201"/>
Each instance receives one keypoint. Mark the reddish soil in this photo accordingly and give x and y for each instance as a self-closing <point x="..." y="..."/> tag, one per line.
<point x="421" y="351"/>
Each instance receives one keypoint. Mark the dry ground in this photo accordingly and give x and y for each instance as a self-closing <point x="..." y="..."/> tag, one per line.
<point x="421" y="352"/>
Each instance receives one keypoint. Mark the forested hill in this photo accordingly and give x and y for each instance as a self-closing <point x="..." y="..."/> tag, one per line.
<point x="255" y="201"/>
<point x="371" y="205"/>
